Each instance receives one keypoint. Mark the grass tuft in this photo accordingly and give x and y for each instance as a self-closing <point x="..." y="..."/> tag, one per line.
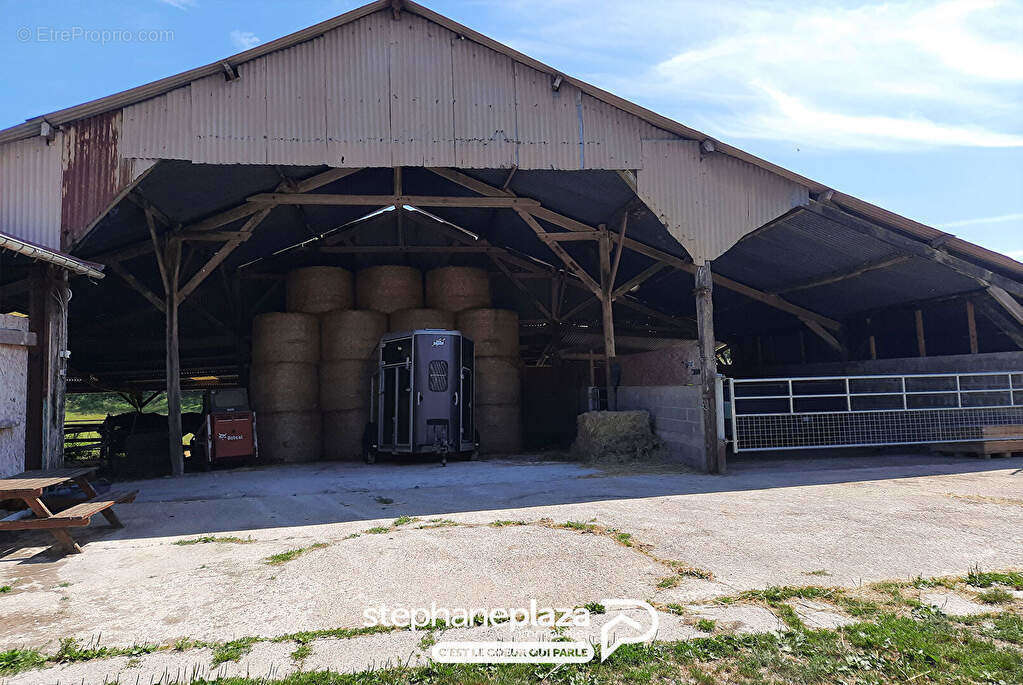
<point x="17" y="660"/>
<point x="378" y="530"/>
<point x="978" y="578"/>
<point x="706" y="625"/>
<point x="403" y="520"/>
<point x="4" y="589"/>
<point x="502" y="523"/>
<point x="995" y="595"/>
<point x="292" y="554"/>
<point x="208" y="539"/>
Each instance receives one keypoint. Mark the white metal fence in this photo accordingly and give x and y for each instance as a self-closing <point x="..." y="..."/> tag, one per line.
<point x="862" y="411"/>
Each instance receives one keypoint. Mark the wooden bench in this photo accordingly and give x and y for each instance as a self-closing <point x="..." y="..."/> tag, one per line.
<point x="29" y="487"/>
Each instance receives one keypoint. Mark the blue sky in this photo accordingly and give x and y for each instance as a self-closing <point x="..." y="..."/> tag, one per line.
<point x="915" y="106"/>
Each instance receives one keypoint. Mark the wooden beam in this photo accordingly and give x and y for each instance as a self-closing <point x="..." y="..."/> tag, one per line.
<point x="567" y="237"/>
<point x="1001" y="319"/>
<point x="1007" y="302"/>
<point x="220" y="255"/>
<point x="824" y="335"/>
<point x="843" y="275"/>
<point x="915" y="247"/>
<point x="618" y="253"/>
<point x="971" y="325"/>
<point x="714" y="449"/>
<point x="921" y="341"/>
<point x="139" y="287"/>
<point x="385" y="200"/>
<point x="638" y="279"/>
<point x="157" y="247"/>
<point x="176" y="453"/>
<point x="607" y="316"/>
<point x="409" y="249"/>
<point x="561" y="253"/>
<point x="471" y="183"/>
<point x="211" y="236"/>
<point x="522" y="287"/>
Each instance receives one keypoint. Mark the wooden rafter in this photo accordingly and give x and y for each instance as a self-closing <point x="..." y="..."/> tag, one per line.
<point x="845" y="274"/>
<point x="638" y="279"/>
<point x="330" y="199"/>
<point x="558" y="250"/>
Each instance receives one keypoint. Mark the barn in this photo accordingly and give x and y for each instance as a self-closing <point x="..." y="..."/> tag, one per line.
<point x="144" y="236"/>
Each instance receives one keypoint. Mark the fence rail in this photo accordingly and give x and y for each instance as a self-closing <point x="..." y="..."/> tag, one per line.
<point x="862" y="411"/>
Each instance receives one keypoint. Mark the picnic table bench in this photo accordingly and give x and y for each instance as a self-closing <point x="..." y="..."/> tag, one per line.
<point x="29" y="487"/>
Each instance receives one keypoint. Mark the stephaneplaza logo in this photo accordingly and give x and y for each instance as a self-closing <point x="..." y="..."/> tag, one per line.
<point x="73" y="34"/>
<point x="629" y="621"/>
<point x="418" y="618"/>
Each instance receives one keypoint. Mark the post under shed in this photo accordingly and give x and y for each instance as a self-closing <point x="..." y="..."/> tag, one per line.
<point x="392" y="135"/>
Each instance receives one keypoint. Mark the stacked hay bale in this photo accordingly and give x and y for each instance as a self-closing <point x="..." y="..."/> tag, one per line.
<point x="319" y="289"/>
<point x="466" y="291"/>
<point x="284" y="386"/>
<point x="348" y="358"/>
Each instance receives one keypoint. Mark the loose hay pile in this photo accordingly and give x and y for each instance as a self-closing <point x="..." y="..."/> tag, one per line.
<point x="616" y="437"/>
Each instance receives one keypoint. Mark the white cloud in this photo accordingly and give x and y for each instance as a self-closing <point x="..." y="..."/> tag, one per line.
<point x="1001" y="219"/>
<point x="888" y="75"/>
<point x="180" y="4"/>
<point x="243" y="40"/>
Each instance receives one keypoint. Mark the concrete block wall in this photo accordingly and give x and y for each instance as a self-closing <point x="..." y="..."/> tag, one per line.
<point x="13" y="392"/>
<point x="676" y="412"/>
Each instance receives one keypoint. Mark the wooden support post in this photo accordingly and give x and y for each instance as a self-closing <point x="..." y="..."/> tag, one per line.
<point x="714" y="447"/>
<point x="172" y="261"/>
<point x="971" y="324"/>
<point x="921" y="342"/>
<point x="44" y="420"/>
<point x="607" y="309"/>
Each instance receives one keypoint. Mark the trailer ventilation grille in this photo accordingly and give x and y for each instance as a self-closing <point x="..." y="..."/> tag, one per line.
<point x="438" y="375"/>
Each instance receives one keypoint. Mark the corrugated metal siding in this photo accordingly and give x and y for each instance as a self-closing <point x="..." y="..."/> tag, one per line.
<point x="549" y="121"/>
<point x="612" y="139"/>
<point x="710" y="201"/>
<point x="159" y="128"/>
<point x="94" y="174"/>
<point x="229" y="117"/>
<point x="358" y="92"/>
<point x="296" y="105"/>
<point x="30" y="173"/>
<point x="486" y="135"/>
<point x="422" y="116"/>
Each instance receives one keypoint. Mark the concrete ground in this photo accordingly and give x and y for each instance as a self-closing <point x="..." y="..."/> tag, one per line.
<point x="827" y="521"/>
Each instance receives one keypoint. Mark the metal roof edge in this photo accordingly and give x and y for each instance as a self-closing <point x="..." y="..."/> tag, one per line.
<point x="65" y="261"/>
<point x="155" y="88"/>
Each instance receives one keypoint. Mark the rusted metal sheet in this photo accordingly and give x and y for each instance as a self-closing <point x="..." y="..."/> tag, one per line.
<point x="549" y="121"/>
<point x="485" y="124"/>
<point x="159" y="128"/>
<point x="94" y="174"/>
<point x="357" y="59"/>
<point x="422" y="119"/>
<point x="229" y="117"/>
<point x="296" y="105"/>
<point x="30" y="190"/>
<point x="709" y="201"/>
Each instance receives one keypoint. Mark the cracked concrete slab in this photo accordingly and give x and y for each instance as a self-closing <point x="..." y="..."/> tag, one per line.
<point x="741" y="618"/>
<point x="820" y="615"/>
<point x="953" y="604"/>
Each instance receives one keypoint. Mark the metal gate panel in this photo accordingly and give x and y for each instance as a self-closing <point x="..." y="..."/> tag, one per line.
<point x="866" y="411"/>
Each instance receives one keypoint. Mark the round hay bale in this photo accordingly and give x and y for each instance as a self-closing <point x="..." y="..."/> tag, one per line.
<point x="344" y="384"/>
<point x="389" y="288"/>
<point x="289" y="436"/>
<point x="499" y="427"/>
<point x="498" y="380"/>
<point x="495" y="331"/>
<point x="318" y="289"/>
<point x="284" y="386"/>
<point x="411" y="319"/>
<point x="342" y="433"/>
<point x="351" y="334"/>
<point x="455" y="288"/>
<point x="285" y="337"/>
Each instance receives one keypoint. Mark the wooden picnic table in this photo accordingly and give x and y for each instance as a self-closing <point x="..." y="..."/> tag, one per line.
<point x="29" y="487"/>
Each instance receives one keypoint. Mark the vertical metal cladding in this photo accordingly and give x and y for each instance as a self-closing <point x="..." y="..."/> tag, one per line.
<point x="296" y="105"/>
<point x="357" y="59"/>
<point x="422" y="117"/>
<point x="229" y="117"/>
<point x="30" y="190"/>
<point x="486" y="124"/>
<point x="159" y="128"/>
<point x="709" y="201"/>
<point x="548" y="121"/>
<point x="94" y="173"/>
<point x="612" y="138"/>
